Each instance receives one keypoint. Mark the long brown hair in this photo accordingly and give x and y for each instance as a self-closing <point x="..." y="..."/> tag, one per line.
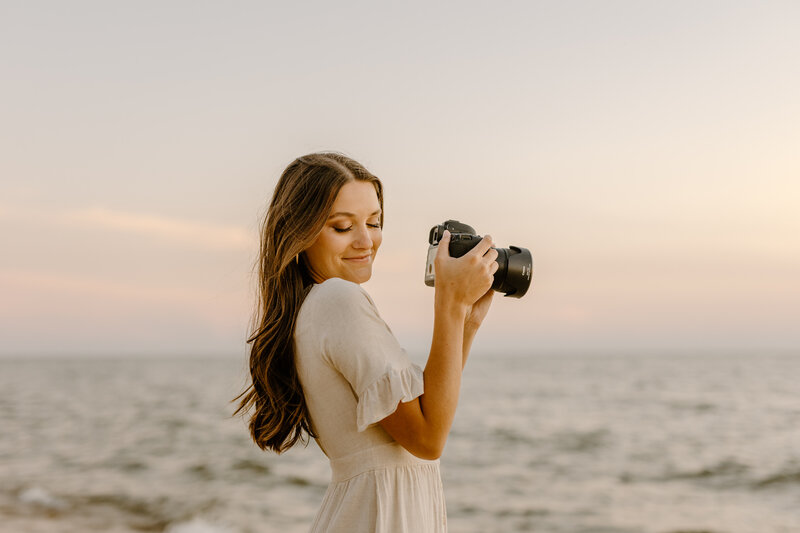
<point x="300" y="206"/>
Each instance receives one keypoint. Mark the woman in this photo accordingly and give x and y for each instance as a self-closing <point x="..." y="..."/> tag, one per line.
<point x="324" y="364"/>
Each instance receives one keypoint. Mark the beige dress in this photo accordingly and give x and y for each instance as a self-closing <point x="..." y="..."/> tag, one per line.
<point x="354" y="373"/>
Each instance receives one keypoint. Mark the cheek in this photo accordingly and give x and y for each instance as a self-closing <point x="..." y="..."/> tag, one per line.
<point x="336" y="244"/>
<point x="323" y="249"/>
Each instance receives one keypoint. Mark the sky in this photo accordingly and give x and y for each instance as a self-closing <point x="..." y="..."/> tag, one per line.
<point x="647" y="153"/>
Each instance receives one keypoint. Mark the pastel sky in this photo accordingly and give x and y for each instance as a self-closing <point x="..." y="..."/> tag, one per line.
<point x="647" y="153"/>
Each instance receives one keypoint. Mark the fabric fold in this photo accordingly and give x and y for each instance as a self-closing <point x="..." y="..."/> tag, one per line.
<point x="381" y="398"/>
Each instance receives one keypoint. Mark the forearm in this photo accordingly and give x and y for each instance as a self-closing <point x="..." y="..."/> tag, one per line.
<point x="469" y="336"/>
<point x="443" y="371"/>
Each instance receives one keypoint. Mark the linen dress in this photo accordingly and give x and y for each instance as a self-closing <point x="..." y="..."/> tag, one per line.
<point x="354" y="373"/>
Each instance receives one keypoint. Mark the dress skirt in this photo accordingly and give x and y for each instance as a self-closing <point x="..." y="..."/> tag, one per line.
<point x="383" y="489"/>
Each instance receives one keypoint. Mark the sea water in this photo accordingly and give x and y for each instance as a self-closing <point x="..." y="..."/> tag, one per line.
<point x="549" y="443"/>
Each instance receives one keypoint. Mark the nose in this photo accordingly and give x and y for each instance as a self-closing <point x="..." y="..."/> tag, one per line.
<point x="362" y="239"/>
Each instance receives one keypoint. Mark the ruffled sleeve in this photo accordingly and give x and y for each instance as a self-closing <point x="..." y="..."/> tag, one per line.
<point x="360" y="345"/>
<point x="380" y="399"/>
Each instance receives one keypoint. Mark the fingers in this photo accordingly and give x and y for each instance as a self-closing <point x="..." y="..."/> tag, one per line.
<point x="444" y="244"/>
<point x="484" y="246"/>
<point x="482" y="256"/>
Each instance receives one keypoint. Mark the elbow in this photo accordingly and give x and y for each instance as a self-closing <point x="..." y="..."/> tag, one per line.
<point x="420" y="437"/>
<point x="430" y="450"/>
<point x="429" y="455"/>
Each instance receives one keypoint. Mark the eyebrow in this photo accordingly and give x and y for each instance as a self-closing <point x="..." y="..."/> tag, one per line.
<point x="352" y="215"/>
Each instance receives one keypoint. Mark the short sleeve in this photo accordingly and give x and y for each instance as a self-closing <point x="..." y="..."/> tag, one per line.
<point x="360" y="345"/>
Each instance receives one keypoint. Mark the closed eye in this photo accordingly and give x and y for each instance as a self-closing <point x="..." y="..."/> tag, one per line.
<point x="345" y="230"/>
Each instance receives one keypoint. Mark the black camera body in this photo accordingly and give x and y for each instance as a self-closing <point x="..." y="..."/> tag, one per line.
<point x="513" y="277"/>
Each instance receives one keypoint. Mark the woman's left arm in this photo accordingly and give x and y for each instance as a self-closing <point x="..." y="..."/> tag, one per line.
<point x="474" y="320"/>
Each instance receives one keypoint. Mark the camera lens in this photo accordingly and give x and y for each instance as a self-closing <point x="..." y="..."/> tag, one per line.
<point x="513" y="277"/>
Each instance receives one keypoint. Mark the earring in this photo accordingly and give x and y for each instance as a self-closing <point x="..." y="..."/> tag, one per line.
<point x="297" y="259"/>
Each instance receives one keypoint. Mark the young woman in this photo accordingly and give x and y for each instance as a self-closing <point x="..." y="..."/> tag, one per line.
<point x="324" y="364"/>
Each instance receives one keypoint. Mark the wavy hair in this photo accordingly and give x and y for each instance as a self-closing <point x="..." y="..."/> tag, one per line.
<point x="300" y="206"/>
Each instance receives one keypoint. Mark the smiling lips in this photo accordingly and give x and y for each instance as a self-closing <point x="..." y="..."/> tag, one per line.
<point x="360" y="259"/>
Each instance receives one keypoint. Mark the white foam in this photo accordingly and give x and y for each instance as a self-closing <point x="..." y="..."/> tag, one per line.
<point x="197" y="525"/>
<point x="39" y="496"/>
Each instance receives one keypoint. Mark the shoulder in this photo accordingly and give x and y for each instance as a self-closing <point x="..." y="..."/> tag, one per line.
<point x="333" y="310"/>
<point x="336" y="295"/>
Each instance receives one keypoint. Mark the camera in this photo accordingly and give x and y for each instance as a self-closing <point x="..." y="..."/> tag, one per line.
<point x="515" y="271"/>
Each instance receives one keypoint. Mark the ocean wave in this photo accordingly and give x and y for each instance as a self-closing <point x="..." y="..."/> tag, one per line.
<point x="144" y="514"/>
<point x="785" y="477"/>
<point x="524" y="512"/>
<point x="39" y="497"/>
<point x="201" y="471"/>
<point x="513" y="436"/>
<point x="566" y="441"/>
<point x="300" y="481"/>
<point x="727" y="468"/>
<point x="698" y="407"/>
<point x="581" y="441"/>
<point x="727" y="473"/>
<point x="693" y="531"/>
<point x="251" y="466"/>
<point x="198" y="525"/>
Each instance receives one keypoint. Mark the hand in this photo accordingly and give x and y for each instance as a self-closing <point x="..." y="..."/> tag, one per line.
<point x="478" y="311"/>
<point x="462" y="281"/>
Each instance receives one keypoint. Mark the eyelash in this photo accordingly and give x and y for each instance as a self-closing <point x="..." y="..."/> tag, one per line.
<point x="345" y="230"/>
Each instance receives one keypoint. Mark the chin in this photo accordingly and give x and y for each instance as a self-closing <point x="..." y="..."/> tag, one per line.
<point x="361" y="277"/>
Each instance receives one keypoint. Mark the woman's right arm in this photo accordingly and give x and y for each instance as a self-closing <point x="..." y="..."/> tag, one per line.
<point x="421" y="426"/>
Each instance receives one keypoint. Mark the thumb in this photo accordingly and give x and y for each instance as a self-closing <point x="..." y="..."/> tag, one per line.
<point x="444" y="244"/>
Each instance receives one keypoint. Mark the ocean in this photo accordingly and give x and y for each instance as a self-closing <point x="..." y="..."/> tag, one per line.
<point x="638" y="443"/>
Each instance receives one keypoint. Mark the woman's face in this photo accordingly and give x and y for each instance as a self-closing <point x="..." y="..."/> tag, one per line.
<point x="347" y="244"/>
